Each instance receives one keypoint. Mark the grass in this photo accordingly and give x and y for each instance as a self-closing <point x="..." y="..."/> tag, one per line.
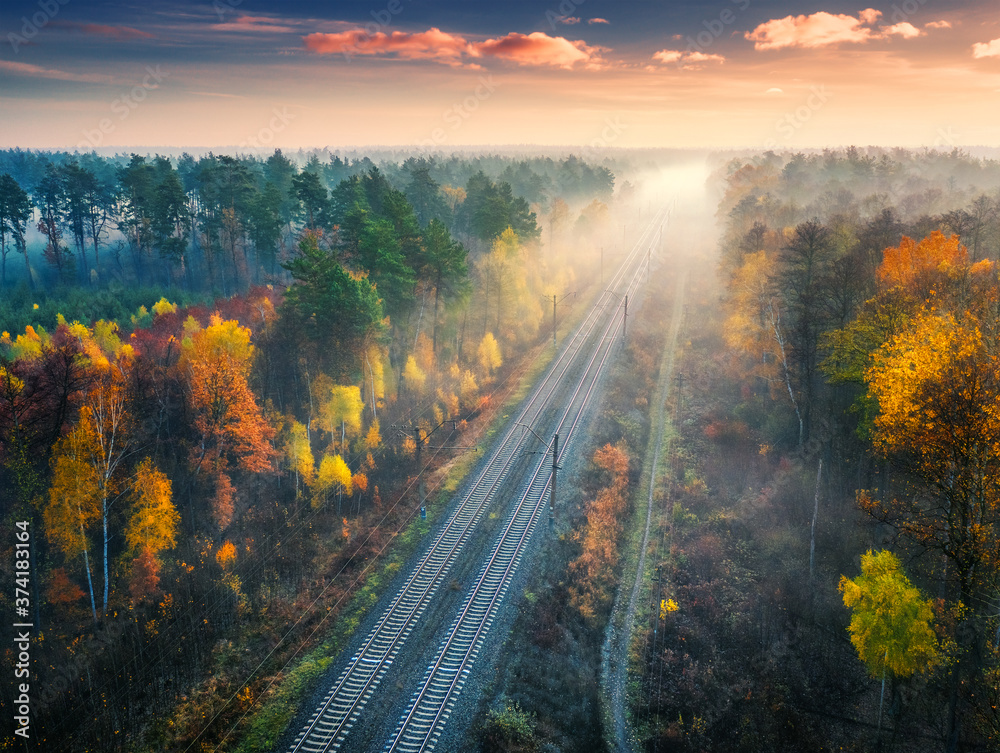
<point x="633" y="536"/>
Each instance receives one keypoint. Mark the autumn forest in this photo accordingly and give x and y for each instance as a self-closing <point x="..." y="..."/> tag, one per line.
<point x="238" y="393"/>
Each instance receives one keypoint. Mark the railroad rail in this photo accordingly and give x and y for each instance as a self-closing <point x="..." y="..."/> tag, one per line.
<point x="344" y="703"/>
<point x="431" y="705"/>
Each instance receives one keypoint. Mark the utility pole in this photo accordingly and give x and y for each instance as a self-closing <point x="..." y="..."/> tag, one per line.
<point x="554" y="302"/>
<point x="554" y="446"/>
<point x="553" y="320"/>
<point x="625" y="317"/>
<point x="552" y="486"/>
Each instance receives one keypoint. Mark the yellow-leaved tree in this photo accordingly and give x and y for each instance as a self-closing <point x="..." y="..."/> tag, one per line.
<point x="333" y="476"/>
<point x="339" y="409"/>
<point x="153" y="520"/>
<point x="73" y="503"/>
<point x="299" y="454"/>
<point x="151" y="527"/>
<point x="413" y="376"/>
<point x="106" y="438"/>
<point x="756" y="327"/>
<point x="489" y="356"/>
<point x="891" y="622"/>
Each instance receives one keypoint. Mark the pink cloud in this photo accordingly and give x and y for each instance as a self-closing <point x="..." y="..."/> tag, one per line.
<point x="538" y="48"/>
<point x="903" y="29"/>
<point x="816" y="30"/>
<point x="569" y="20"/>
<point x="120" y="33"/>
<point x="702" y="57"/>
<point x="432" y="44"/>
<point x="869" y="15"/>
<point x="598" y="21"/>
<point x="937" y="25"/>
<point x="989" y="49"/>
<point x="249" y="24"/>
<point x="668" y="56"/>
<point x="219" y="94"/>
<point x="27" y="69"/>
<point x="689" y="60"/>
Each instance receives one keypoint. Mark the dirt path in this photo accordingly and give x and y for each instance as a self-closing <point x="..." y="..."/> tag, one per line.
<point x="615" y="653"/>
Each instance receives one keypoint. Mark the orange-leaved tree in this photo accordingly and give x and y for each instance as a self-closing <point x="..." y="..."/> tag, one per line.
<point x="937" y="386"/>
<point x="933" y="273"/>
<point x="216" y="361"/>
<point x="594" y="570"/>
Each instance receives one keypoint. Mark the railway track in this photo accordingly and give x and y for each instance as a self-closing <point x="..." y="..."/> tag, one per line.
<point x="578" y="365"/>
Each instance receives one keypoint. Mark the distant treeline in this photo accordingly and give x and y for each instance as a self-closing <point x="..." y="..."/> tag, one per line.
<point x="219" y="222"/>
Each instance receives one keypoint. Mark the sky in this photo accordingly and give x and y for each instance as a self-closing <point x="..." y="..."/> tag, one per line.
<point x="598" y="73"/>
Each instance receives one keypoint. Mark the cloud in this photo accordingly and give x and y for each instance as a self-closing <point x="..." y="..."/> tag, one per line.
<point x="219" y="94"/>
<point x="702" y="57"/>
<point x="937" y="25"/>
<point x="689" y="60"/>
<point x="569" y="20"/>
<point x="598" y="21"/>
<point x="989" y="49"/>
<point x="668" y="56"/>
<point x="120" y="33"/>
<point x="823" y="29"/>
<point x="432" y="44"/>
<point x="538" y="48"/>
<point x="816" y="30"/>
<point x="775" y="90"/>
<point x="27" y="69"/>
<point x="253" y="24"/>
<point x="869" y="15"/>
<point x="904" y="29"/>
